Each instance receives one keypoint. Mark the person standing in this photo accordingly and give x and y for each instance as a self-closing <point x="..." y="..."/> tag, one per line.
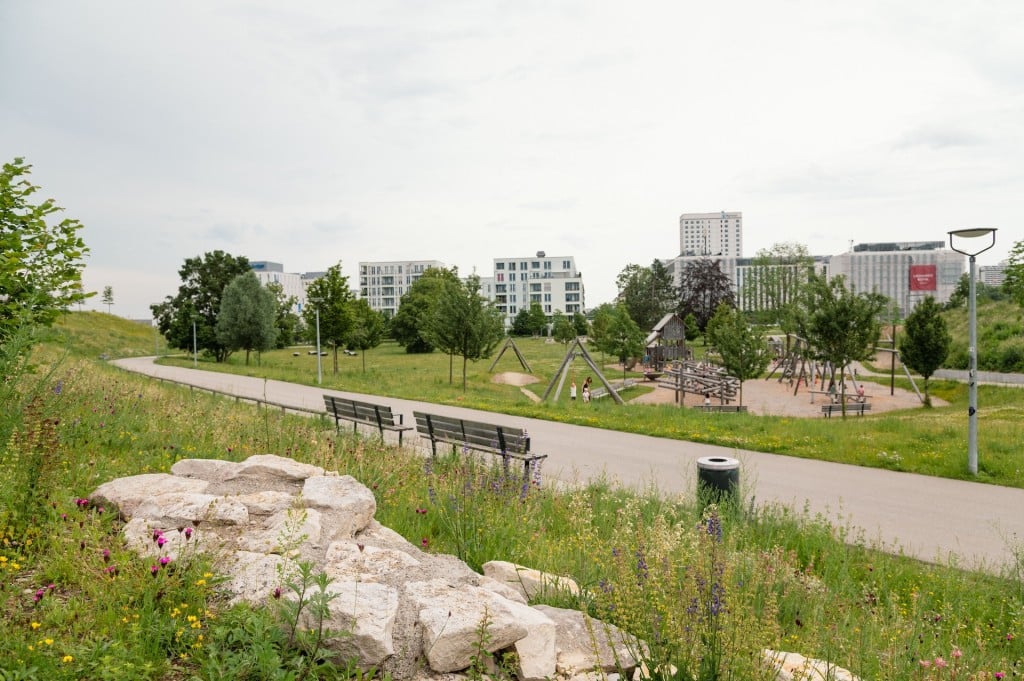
<point x="572" y="391"/>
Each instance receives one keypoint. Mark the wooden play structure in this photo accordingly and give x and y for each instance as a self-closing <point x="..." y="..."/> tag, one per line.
<point x="576" y="349"/>
<point x="509" y="343"/>
<point x="666" y="343"/>
<point x="700" y="378"/>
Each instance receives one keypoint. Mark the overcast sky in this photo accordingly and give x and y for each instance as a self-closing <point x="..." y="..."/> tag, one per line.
<point x="309" y="133"/>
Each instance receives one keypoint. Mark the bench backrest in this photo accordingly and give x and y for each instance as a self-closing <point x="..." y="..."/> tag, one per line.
<point x="475" y="434"/>
<point x="367" y="412"/>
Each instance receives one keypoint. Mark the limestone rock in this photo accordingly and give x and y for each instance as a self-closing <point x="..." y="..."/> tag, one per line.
<point x="585" y="644"/>
<point x="796" y="667"/>
<point x="452" y="617"/>
<point x="362" y="618"/>
<point x="127" y="493"/>
<point x="527" y="581"/>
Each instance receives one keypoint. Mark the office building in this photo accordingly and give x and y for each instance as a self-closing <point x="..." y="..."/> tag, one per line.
<point x="273" y="272"/>
<point x="906" y="272"/>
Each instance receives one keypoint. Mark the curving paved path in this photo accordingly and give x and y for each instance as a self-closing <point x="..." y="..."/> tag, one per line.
<point x="928" y="518"/>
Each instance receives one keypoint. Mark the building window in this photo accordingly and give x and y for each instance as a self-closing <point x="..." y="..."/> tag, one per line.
<point x="547" y="264"/>
<point x="566" y="265"/>
<point x="535" y="265"/>
<point x="572" y="286"/>
<point x="499" y="265"/>
<point x="512" y="266"/>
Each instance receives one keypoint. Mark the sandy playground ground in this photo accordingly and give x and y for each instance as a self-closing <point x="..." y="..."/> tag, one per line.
<point x="762" y="396"/>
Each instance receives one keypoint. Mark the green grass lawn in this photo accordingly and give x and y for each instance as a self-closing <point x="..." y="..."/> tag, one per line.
<point x="926" y="441"/>
<point x="699" y="587"/>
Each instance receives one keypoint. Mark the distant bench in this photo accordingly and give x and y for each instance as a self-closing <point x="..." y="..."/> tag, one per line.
<point x="734" y="408"/>
<point x="598" y="393"/>
<point x="503" y="441"/>
<point x="855" y="408"/>
<point x="367" y="413"/>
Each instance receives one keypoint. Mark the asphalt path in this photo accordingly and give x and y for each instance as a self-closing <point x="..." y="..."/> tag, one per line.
<point x="978" y="526"/>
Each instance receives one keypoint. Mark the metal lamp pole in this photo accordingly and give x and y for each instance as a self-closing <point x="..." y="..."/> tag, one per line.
<point x="972" y="342"/>
<point x="195" y="346"/>
<point x="319" y="369"/>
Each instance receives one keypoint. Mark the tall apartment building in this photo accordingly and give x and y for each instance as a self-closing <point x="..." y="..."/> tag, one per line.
<point x="711" y="234"/>
<point x="553" y="282"/>
<point x="907" y="272"/>
<point x="383" y="283"/>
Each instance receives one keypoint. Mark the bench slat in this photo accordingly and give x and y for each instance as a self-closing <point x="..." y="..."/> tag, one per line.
<point x="367" y="413"/>
<point x="504" y="441"/>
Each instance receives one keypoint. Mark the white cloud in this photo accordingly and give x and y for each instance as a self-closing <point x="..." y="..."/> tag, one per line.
<point x="462" y="131"/>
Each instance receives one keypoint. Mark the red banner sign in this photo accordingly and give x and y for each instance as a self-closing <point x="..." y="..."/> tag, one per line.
<point x="922" y="278"/>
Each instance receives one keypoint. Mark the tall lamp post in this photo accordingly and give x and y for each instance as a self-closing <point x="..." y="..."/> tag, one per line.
<point x="319" y="369"/>
<point x="195" y="346"/>
<point x="972" y="342"/>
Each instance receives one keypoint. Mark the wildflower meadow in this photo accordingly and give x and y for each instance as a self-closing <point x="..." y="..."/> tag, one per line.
<point x="704" y="589"/>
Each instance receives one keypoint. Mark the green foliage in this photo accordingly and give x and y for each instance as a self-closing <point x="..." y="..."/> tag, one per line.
<point x="623" y="338"/>
<point x="579" y="324"/>
<point x="840" y="325"/>
<point x="601" y="325"/>
<point x="691" y="327"/>
<point x="108" y="297"/>
<point x="774" y="283"/>
<point x="926" y="340"/>
<point x="368" y="328"/>
<point x="409" y="325"/>
<point x="703" y="287"/>
<point x="562" y="328"/>
<point x="530" y="321"/>
<point x="203" y="280"/>
<point x="743" y="348"/>
<point x="982" y="292"/>
<point x="464" y="323"/>
<point x="1013" y="284"/>
<point x="248" y="315"/>
<point x="40" y="263"/>
<point x="1000" y="335"/>
<point x="773" y="578"/>
<point x="285" y="319"/>
<point x="647" y="292"/>
<point x="329" y="309"/>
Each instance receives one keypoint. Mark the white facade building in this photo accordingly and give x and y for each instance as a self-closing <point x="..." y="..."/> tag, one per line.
<point x="291" y="282"/>
<point x="552" y="282"/>
<point x="993" y="275"/>
<point x="383" y="283"/>
<point x="711" y="234"/>
<point x="906" y="272"/>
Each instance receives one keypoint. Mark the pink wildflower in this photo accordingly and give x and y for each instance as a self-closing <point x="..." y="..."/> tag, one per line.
<point x="940" y="663"/>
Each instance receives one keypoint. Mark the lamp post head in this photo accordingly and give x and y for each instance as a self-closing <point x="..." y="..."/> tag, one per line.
<point x="972" y="233"/>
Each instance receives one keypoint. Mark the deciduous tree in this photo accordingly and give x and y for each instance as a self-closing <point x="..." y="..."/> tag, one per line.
<point x="743" y="347"/>
<point x="926" y="341"/>
<point x="840" y="325"/>
<point x="331" y="295"/>
<point x="703" y="287"/>
<point x="108" y="297"/>
<point x="647" y="292"/>
<point x="409" y="323"/>
<point x="247" y="315"/>
<point x="285" y="318"/>
<point x="367" y="329"/>
<point x="198" y="300"/>
<point x="41" y="261"/>
<point x="464" y="323"/>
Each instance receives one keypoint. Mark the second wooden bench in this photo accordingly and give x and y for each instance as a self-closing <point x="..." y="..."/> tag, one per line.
<point x="504" y="441"/>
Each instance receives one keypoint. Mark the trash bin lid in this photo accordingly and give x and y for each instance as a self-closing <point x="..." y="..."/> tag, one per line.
<point x="718" y="463"/>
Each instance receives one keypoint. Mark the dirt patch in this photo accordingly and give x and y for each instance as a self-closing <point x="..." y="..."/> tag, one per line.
<point x="513" y="378"/>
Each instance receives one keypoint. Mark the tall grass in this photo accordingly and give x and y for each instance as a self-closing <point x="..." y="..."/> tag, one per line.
<point x="707" y="590"/>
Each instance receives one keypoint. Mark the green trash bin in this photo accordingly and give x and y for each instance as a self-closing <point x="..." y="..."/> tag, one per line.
<point x="718" y="480"/>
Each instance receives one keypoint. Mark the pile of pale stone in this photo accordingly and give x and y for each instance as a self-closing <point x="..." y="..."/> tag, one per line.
<point x="396" y="608"/>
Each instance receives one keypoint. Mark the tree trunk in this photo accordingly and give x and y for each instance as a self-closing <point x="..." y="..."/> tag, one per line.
<point x="463" y="373"/>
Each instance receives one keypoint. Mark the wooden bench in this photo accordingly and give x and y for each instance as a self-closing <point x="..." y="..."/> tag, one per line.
<point x="734" y="408"/>
<point x="377" y="415"/>
<point x="504" y="441"/>
<point x="855" y="408"/>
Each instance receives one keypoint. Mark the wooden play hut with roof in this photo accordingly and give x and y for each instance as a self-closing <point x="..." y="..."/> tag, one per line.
<point x="666" y="342"/>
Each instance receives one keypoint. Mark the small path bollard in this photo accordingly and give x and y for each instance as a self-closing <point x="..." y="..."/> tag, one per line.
<point x="718" y="480"/>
